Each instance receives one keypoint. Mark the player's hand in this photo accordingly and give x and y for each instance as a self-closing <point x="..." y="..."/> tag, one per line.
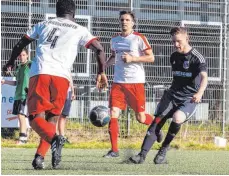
<point x="26" y="89"/>
<point x="73" y="96"/>
<point x="101" y="81"/>
<point x="197" y="97"/>
<point x="127" y="58"/>
<point x="3" y="81"/>
<point x="7" y="68"/>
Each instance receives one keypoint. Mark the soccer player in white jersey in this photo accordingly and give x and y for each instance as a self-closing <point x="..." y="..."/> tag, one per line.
<point x="58" y="42"/>
<point x="130" y="50"/>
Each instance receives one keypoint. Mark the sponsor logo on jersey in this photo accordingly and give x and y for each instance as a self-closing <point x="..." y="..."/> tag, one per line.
<point x="182" y="74"/>
<point x="186" y="64"/>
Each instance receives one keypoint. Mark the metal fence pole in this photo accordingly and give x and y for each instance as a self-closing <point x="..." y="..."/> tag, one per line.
<point x="227" y="61"/>
<point x="225" y="70"/>
<point x="30" y="25"/>
<point x="131" y="4"/>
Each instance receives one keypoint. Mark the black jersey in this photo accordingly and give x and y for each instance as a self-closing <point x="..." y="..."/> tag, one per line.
<point x="186" y="70"/>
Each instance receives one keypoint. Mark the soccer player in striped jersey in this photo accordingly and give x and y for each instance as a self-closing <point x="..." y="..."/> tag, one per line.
<point x="57" y="47"/>
<point x="130" y="50"/>
<point x="180" y="100"/>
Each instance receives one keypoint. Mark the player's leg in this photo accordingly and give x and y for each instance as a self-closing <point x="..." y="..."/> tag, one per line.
<point x="163" y="111"/>
<point x="39" y="102"/>
<point x="135" y="96"/>
<point x="183" y="113"/>
<point x="22" y="120"/>
<point x="61" y="124"/>
<point x="22" y="128"/>
<point x="63" y="117"/>
<point x="117" y="102"/>
<point x="18" y="109"/>
<point x="38" y="161"/>
<point x="43" y="147"/>
<point x="58" y="90"/>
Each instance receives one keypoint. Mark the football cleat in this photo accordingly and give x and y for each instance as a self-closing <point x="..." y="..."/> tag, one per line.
<point x="56" y="147"/>
<point x="22" y="140"/>
<point x="111" y="154"/>
<point x="160" y="157"/>
<point x="38" y="162"/>
<point x="137" y="159"/>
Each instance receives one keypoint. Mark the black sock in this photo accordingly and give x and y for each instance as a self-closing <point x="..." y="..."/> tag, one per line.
<point x="160" y="125"/>
<point x="173" y="130"/>
<point x="22" y="135"/>
<point x="149" y="139"/>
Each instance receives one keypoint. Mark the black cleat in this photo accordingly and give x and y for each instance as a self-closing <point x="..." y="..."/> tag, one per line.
<point x="137" y="159"/>
<point x="56" y="147"/>
<point x="160" y="157"/>
<point x="111" y="154"/>
<point x="159" y="136"/>
<point x="38" y="162"/>
<point x="66" y="141"/>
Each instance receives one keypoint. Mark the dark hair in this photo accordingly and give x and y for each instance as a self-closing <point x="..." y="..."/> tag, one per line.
<point x="127" y="12"/>
<point x="26" y="51"/>
<point x="65" y="7"/>
<point x="178" y="30"/>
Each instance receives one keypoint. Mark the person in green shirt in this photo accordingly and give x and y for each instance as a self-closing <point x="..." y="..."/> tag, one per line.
<point x="21" y="83"/>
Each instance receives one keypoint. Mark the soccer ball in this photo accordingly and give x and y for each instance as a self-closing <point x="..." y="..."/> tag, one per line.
<point x="99" y="116"/>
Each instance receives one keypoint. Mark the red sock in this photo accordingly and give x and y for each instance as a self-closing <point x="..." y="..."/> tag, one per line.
<point x="43" y="148"/>
<point x="113" y="131"/>
<point x="148" y="120"/>
<point x="44" y="129"/>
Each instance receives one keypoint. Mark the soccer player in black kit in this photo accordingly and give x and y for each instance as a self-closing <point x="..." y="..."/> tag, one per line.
<point x="180" y="100"/>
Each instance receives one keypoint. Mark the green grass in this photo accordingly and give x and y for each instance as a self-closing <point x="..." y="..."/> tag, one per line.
<point x="17" y="161"/>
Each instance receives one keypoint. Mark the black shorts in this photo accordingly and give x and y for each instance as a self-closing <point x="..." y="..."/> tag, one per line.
<point x="20" y="107"/>
<point x="168" y="106"/>
<point x="67" y="107"/>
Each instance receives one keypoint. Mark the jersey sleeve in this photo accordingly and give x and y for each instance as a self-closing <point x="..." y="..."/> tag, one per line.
<point x="201" y="64"/>
<point x="172" y="58"/>
<point x="33" y="32"/>
<point x="143" y="43"/>
<point x="87" y="38"/>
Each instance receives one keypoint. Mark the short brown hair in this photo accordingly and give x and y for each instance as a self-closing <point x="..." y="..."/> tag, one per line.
<point x="25" y="50"/>
<point x="178" y="30"/>
<point x="123" y="12"/>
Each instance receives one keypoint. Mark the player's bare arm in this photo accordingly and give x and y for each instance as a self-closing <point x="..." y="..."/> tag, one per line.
<point x="111" y="60"/>
<point x="203" y="84"/>
<point x="101" y="80"/>
<point x="12" y="83"/>
<point x="147" y="57"/>
<point x="23" y="42"/>
<point x="73" y="95"/>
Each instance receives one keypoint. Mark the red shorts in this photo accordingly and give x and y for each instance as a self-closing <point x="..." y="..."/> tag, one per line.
<point x="128" y="94"/>
<point x="47" y="93"/>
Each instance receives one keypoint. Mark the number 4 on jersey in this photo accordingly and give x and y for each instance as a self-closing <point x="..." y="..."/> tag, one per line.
<point x="53" y="37"/>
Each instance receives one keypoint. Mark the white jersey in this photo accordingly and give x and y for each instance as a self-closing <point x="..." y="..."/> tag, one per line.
<point x="57" y="47"/>
<point x="135" y="44"/>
